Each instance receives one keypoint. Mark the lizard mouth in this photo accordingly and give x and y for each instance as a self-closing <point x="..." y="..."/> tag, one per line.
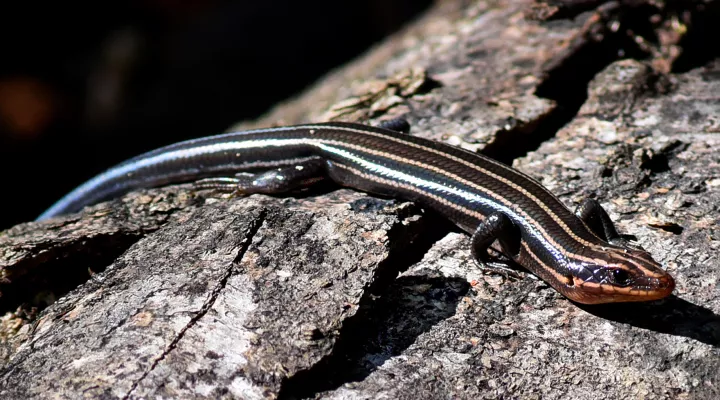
<point x="646" y="289"/>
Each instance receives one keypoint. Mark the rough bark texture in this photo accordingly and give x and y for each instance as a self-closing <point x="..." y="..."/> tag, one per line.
<point x="192" y="295"/>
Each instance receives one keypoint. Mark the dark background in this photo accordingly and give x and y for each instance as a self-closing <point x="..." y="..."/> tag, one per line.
<point x="86" y="85"/>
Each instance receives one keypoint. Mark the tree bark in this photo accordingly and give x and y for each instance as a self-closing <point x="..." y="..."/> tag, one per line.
<point x="175" y="293"/>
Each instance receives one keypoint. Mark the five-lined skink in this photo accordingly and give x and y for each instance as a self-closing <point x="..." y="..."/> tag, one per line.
<point x="579" y="254"/>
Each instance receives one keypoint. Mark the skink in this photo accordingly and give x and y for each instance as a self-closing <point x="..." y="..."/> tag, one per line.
<point x="579" y="254"/>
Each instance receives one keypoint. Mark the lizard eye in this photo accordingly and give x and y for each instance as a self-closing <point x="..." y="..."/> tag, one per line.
<point x="620" y="277"/>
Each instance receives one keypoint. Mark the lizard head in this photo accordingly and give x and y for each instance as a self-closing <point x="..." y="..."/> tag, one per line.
<point x="620" y="275"/>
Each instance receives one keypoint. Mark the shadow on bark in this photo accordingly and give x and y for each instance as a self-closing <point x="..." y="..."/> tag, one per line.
<point x="382" y="329"/>
<point x="673" y="316"/>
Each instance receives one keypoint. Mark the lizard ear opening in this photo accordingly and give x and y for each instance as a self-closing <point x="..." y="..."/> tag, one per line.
<point x="569" y="280"/>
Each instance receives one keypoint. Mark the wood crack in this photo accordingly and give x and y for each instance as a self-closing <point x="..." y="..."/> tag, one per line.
<point x="257" y="223"/>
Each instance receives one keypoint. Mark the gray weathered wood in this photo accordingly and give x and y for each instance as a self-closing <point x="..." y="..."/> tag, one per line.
<point x="261" y="297"/>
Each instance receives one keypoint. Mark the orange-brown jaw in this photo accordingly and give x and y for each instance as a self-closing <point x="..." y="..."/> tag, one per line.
<point x="599" y="293"/>
<point x="622" y="275"/>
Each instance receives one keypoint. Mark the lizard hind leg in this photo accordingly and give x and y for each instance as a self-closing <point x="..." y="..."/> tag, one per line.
<point x="396" y="124"/>
<point x="277" y="180"/>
